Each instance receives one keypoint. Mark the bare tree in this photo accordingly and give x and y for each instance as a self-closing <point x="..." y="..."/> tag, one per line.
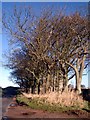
<point x="48" y="47"/>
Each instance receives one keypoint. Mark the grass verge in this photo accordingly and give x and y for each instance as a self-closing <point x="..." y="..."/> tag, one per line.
<point x="39" y="104"/>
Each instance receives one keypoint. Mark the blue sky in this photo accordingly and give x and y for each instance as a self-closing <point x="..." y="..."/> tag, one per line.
<point x="36" y="6"/>
<point x="45" y="0"/>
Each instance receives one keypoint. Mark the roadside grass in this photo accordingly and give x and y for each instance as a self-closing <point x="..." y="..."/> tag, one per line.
<point x="40" y="104"/>
<point x="87" y="106"/>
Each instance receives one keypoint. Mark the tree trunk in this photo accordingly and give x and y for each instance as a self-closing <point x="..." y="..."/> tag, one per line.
<point x="44" y="85"/>
<point x="33" y="89"/>
<point x="66" y="86"/>
<point x="26" y="90"/>
<point x="38" y="88"/>
<point x="53" y="84"/>
<point x="44" y="88"/>
<point x="78" y="83"/>
<point x="66" y="83"/>
<point x="48" y="82"/>
<point x="78" y="86"/>
<point x="66" y="79"/>
<point x="79" y="74"/>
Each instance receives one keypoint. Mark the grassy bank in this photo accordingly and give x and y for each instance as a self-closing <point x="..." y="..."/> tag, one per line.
<point x="42" y="103"/>
<point x="37" y="104"/>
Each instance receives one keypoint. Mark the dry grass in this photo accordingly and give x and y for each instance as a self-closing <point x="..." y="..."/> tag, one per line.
<point x="69" y="99"/>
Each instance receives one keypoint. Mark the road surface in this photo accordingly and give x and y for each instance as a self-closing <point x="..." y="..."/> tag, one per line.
<point x="5" y="103"/>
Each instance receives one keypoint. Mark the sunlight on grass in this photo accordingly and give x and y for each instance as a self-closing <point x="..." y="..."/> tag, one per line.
<point x="44" y="103"/>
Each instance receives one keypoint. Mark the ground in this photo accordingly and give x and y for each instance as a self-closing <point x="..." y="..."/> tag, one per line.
<point x="16" y="111"/>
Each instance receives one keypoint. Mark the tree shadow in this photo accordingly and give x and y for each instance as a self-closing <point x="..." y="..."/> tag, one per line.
<point x="86" y="94"/>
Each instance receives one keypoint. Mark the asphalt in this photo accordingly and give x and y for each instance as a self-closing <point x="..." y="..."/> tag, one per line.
<point x="7" y="97"/>
<point x="5" y="104"/>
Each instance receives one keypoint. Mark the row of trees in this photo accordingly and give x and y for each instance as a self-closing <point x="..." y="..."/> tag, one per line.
<point x="47" y="51"/>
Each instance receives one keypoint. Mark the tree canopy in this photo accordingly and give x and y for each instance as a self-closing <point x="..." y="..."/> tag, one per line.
<point x="47" y="51"/>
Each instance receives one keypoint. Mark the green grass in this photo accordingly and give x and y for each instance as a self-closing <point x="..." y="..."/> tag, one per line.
<point x="87" y="105"/>
<point x="37" y="104"/>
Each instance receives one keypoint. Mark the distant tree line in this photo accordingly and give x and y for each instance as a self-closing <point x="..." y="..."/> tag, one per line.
<point x="48" y="50"/>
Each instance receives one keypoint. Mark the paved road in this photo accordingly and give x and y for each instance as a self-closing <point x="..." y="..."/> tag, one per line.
<point x="0" y="107"/>
<point x="5" y="103"/>
<point x="8" y="93"/>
